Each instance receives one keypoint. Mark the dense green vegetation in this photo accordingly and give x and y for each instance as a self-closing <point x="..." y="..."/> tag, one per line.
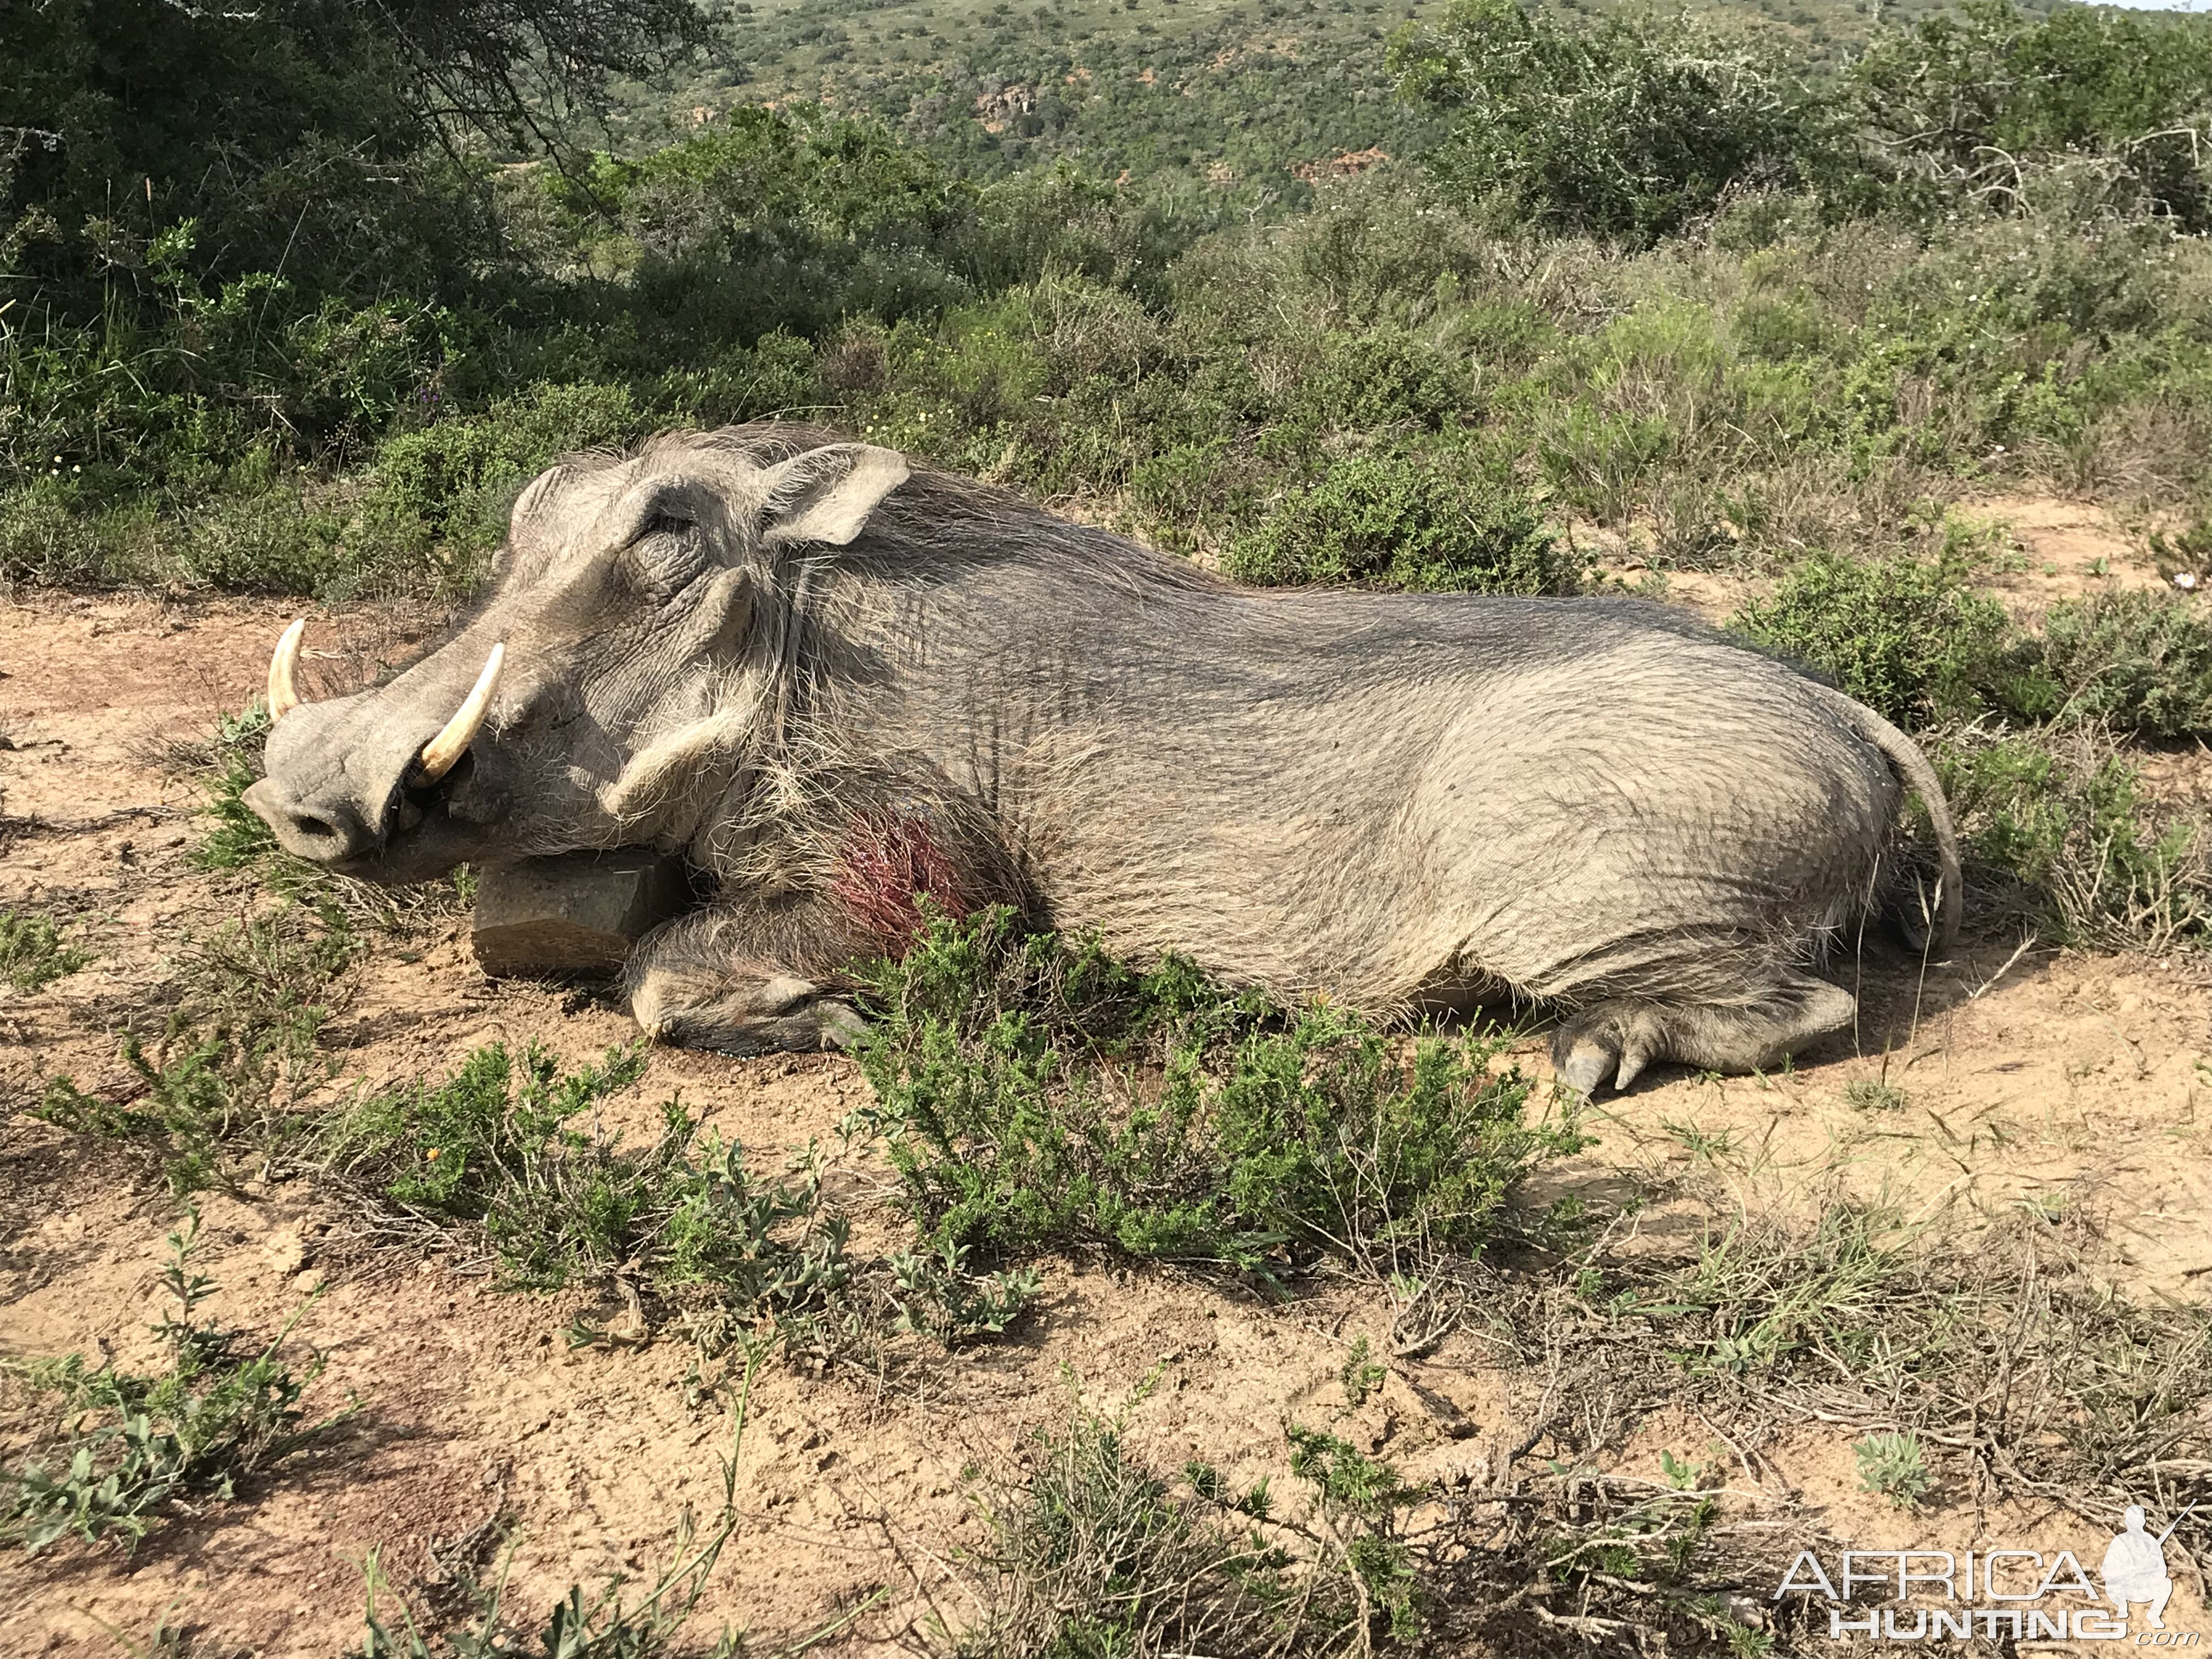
<point x="1039" y="1094"/>
<point x="1788" y="324"/>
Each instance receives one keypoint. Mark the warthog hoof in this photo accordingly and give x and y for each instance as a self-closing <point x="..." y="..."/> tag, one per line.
<point x="1621" y="1037"/>
<point x="1615" y="1039"/>
<point x="740" y="1014"/>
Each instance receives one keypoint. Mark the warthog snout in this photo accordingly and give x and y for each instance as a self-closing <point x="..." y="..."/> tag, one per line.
<point x="327" y="831"/>
<point x="387" y="785"/>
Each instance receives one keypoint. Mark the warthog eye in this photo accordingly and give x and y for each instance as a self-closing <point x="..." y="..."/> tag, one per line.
<point x="668" y="553"/>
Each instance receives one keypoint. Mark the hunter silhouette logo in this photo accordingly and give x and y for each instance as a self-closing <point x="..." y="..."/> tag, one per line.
<point x="2133" y="1568"/>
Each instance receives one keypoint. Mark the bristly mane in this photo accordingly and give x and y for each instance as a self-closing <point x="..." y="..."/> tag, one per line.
<point x="936" y="522"/>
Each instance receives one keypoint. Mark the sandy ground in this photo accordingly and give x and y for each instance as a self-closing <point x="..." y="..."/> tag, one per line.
<point x="2029" y="1079"/>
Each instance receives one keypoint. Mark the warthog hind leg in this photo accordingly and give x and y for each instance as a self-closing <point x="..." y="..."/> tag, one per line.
<point x="1619" y="1038"/>
<point x="705" y="982"/>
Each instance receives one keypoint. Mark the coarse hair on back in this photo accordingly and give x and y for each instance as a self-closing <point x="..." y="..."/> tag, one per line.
<point x="937" y="522"/>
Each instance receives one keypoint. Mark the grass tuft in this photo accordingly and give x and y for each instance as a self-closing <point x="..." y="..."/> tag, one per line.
<point x="130" y="1446"/>
<point x="33" y="953"/>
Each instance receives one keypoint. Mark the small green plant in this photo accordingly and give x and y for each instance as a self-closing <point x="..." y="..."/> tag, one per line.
<point x="1036" y="1093"/>
<point x="1360" y="1501"/>
<point x="32" y="953"/>
<point x="938" y="1296"/>
<point x="1891" y="1464"/>
<point x="132" y="1445"/>
<point x="1872" y="1094"/>
<point x="225" y="1077"/>
<point x="236" y="837"/>
<point x="497" y="1147"/>
<point x="1360" y="1375"/>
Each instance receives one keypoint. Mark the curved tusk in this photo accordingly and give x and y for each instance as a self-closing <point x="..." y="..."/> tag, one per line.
<point x="449" y="745"/>
<point x="283" y="689"/>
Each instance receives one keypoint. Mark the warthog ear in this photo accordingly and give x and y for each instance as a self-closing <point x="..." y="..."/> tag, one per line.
<point x="827" y="494"/>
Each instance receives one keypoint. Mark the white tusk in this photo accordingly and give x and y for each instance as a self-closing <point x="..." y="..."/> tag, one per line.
<point x="450" y="744"/>
<point x="283" y="690"/>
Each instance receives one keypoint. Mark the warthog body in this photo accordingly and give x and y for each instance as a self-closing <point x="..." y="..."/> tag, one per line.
<point x="828" y="679"/>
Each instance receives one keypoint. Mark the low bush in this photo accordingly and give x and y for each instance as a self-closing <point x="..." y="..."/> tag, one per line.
<point x="130" y="1446"/>
<point x="2057" y="827"/>
<point x="1906" y="636"/>
<point x="2135" y="661"/>
<point x="495" y="1152"/>
<point x="496" y="1145"/>
<point x="1037" y="1093"/>
<point x="1406" y="521"/>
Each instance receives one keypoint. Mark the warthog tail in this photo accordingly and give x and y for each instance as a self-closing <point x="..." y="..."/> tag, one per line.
<point x="1920" y="777"/>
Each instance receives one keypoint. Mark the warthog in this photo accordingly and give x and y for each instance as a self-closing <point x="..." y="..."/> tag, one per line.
<point x="830" y="678"/>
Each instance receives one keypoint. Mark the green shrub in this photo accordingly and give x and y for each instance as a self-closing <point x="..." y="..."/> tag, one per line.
<point x="1629" y="126"/>
<point x="32" y="953"/>
<point x="2062" y="825"/>
<point x="495" y="1148"/>
<point x="1039" y="1094"/>
<point x="1906" y="636"/>
<point x="133" y="1445"/>
<point x="2139" y="661"/>
<point x="1407" y="521"/>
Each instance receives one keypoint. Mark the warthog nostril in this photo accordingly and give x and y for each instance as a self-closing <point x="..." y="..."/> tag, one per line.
<point x="324" y="831"/>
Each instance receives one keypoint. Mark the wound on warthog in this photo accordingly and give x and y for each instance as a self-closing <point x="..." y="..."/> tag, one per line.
<point x="884" y="867"/>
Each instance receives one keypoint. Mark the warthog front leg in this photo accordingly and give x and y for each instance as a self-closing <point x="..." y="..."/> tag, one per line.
<point x="1621" y="1037"/>
<point x="737" y="982"/>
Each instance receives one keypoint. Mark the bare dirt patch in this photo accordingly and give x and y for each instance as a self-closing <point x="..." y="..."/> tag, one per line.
<point x="2009" y="1083"/>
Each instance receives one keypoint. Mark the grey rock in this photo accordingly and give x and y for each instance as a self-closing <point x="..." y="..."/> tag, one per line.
<point x="575" y="917"/>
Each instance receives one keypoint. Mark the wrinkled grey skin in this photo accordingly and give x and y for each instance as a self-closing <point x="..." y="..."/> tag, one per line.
<point x="750" y="646"/>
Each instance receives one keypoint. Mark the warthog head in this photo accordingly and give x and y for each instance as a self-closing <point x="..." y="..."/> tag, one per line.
<point x="626" y="641"/>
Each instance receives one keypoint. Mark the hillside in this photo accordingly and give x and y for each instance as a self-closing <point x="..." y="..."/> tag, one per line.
<point x="1253" y="97"/>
